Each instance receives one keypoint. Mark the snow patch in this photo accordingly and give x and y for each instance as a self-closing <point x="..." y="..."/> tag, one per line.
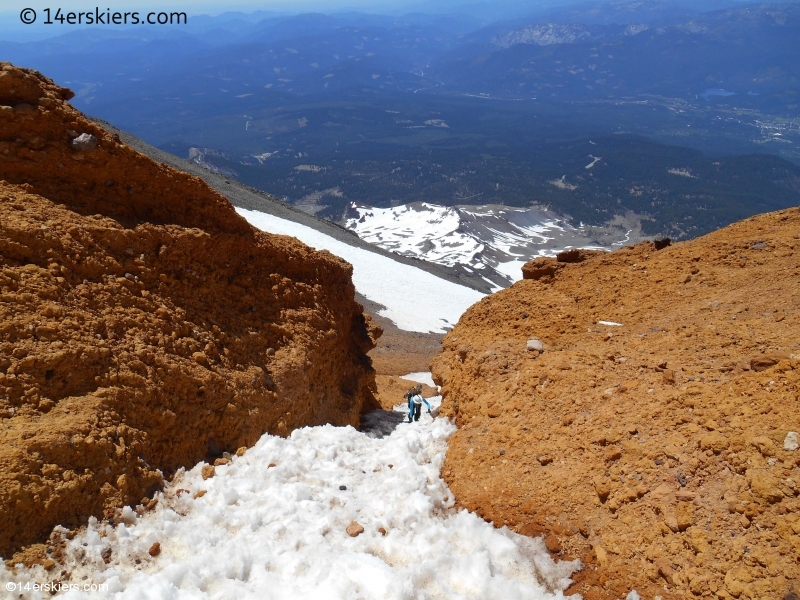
<point x="265" y="532"/>
<point x="495" y="238"/>
<point x="682" y="173"/>
<point x="562" y="184"/>
<point x="595" y="160"/>
<point x="415" y="300"/>
<point x="423" y="377"/>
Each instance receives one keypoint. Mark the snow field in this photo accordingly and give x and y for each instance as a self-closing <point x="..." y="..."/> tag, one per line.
<point x="263" y="532"/>
<point x="421" y="377"/>
<point x="415" y="300"/>
<point x="483" y="239"/>
<point x="407" y="229"/>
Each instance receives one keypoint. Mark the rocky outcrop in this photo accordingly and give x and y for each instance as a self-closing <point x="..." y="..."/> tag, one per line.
<point x="646" y="429"/>
<point x="545" y="267"/>
<point x="144" y="325"/>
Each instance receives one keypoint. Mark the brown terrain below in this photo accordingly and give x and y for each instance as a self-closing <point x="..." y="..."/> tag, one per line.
<point x="399" y="352"/>
<point x="659" y="451"/>
<point x="144" y="325"/>
<point x="390" y="390"/>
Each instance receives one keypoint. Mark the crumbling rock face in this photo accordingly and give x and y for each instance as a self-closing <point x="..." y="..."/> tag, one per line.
<point x="546" y="267"/>
<point x="576" y="255"/>
<point x="655" y="446"/>
<point x="144" y="325"/>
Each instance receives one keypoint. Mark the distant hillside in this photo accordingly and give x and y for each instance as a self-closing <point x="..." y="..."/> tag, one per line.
<point x="750" y="51"/>
<point x="681" y="192"/>
<point x="686" y="109"/>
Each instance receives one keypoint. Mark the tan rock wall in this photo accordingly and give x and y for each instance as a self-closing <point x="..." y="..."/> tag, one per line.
<point x="144" y="325"/>
<point x="654" y="451"/>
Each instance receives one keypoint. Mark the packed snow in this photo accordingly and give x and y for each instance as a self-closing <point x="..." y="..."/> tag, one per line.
<point x="406" y="229"/>
<point x="415" y="300"/>
<point x="420" y="377"/>
<point x="492" y="240"/>
<point x="273" y="524"/>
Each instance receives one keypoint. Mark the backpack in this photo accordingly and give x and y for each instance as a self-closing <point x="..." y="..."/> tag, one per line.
<point x="412" y="392"/>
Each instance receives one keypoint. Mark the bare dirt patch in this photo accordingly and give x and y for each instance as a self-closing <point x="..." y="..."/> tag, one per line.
<point x="400" y="352"/>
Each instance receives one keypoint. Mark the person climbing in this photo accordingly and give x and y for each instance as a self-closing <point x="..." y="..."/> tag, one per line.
<point x="415" y="400"/>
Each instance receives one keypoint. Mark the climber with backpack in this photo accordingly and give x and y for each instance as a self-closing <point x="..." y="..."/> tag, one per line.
<point x="415" y="400"/>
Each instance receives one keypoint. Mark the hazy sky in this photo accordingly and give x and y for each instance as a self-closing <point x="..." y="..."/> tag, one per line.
<point x="13" y="29"/>
<point x="199" y="6"/>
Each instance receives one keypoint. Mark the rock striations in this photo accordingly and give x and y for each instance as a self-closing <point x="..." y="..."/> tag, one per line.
<point x="647" y="426"/>
<point x="144" y="325"/>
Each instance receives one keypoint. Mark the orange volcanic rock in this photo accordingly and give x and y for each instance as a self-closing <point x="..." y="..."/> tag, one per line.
<point x="636" y="409"/>
<point x="144" y="325"/>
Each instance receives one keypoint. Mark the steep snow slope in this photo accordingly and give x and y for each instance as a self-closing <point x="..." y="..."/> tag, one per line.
<point x="272" y="524"/>
<point x="494" y="241"/>
<point x="415" y="300"/>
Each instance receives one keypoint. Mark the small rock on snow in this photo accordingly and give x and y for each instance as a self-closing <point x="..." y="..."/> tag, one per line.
<point x="155" y="549"/>
<point x="354" y="529"/>
<point x="208" y="471"/>
<point x="790" y="443"/>
<point x="342" y="487"/>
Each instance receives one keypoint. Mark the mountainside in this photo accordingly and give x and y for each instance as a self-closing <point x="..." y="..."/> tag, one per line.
<point x="412" y="298"/>
<point x="491" y="241"/>
<point x="692" y="111"/>
<point x="144" y="325"/>
<point x="676" y="191"/>
<point x="251" y="199"/>
<point x="743" y="50"/>
<point x="640" y="409"/>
